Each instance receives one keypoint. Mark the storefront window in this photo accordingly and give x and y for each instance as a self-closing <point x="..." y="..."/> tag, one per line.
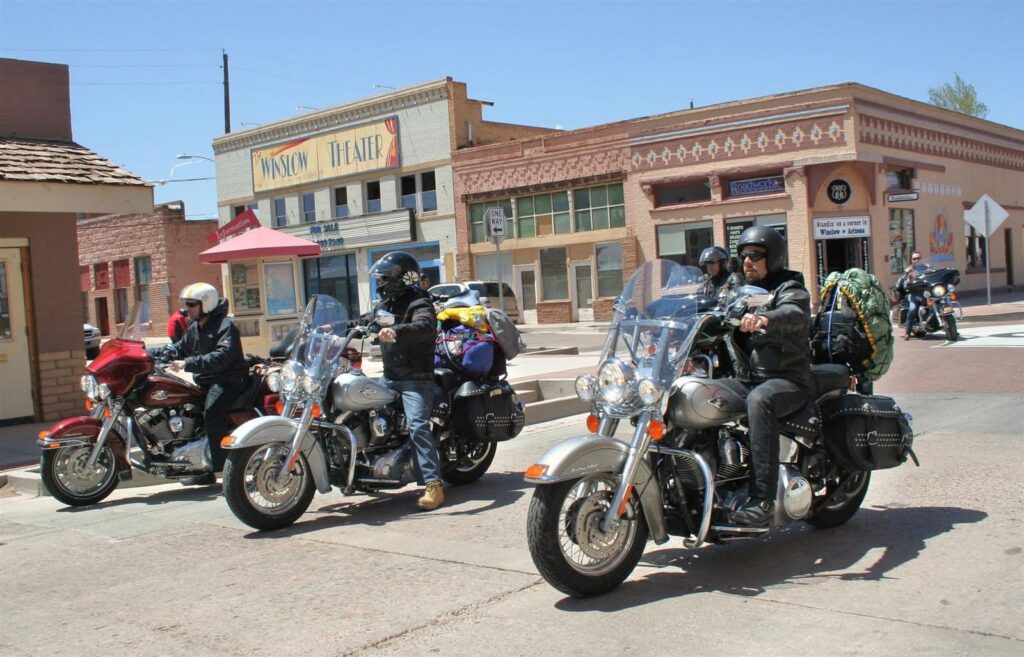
<point x="245" y="288"/>
<point x="279" y="285"/>
<point x="683" y="243"/>
<point x="691" y="191"/>
<point x="599" y="208"/>
<point x="478" y="231"/>
<point x="901" y="239"/>
<point x="335" y="275"/>
<point x="609" y="269"/>
<point x="120" y="304"/>
<point x="735" y="227"/>
<point x="554" y="275"/>
<point x="543" y="214"/>
<point x="5" y="310"/>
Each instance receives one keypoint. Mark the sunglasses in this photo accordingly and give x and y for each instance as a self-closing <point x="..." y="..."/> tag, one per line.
<point x="192" y="304"/>
<point x="914" y="259"/>
<point x="753" y="256"/>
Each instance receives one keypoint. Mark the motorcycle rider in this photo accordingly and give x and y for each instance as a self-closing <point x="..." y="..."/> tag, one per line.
<point x="914" y="301"/>
<point x="779" y="362"/>
<point x="712" y="262"/>
<point x="211" y="349"/>
<point x="407" y="349"/>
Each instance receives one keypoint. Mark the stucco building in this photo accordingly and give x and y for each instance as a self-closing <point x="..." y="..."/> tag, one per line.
<point x="126" y="258"/>
<point x="359" y="179"/>
<point x="854" y="176"/>
<point x="46" y="181"/>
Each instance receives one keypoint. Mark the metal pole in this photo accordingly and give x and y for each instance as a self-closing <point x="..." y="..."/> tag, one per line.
<point x="988" y="256"/>
<point x="501" y="285"/>
<point x="227" y="95"/>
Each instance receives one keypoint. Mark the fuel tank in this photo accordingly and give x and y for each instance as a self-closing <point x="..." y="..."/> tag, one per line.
<point x="352" y="392"/>
<point x="697" y="403"/>
<point x="163" y="391"/>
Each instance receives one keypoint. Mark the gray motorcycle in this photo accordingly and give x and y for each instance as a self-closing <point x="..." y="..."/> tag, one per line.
<point x="337" y="427"/>
<point x="681" y="463"/>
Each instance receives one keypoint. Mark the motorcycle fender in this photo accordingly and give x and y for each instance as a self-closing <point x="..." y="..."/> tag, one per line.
<point x="84" y="430"/>
<point x="276" y="429"/>
<point x="580" y="456"/>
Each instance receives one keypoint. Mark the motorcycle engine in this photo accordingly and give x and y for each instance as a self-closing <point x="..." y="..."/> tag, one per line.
<point x="794" y="496"/>
<point x="167" y="429"/>
<point x="395" y="465"/>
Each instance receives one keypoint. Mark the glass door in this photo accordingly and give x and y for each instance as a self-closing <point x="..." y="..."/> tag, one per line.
<point x="526" y="280"/>
<point x="583" y="287"/>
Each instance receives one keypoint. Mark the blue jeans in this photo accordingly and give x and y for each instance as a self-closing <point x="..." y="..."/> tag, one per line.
<point x="913" y="303"/>
<point x="418" y="399"/>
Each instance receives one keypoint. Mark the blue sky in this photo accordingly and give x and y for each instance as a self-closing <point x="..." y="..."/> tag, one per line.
<point x="146" y="77"/>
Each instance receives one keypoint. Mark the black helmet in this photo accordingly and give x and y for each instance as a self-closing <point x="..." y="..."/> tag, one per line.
<point x="771" y="240"/>
<point x="394" y="273"/>
<point x="713" y="254"/>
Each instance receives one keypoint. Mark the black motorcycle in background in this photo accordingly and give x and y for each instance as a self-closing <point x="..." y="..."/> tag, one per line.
<point x="939" y="308"/>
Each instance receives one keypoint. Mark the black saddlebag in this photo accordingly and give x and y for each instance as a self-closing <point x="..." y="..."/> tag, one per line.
<point x="867" y="432"/>
<point x="488" y="412"/>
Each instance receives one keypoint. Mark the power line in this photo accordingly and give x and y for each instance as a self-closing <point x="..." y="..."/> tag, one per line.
<point x="108" y="49"/>
<point x="144" y="65"/>
<point x="144" y="84"/>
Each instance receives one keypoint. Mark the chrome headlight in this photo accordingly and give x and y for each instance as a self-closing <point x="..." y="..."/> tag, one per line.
<point x="103" y="392"/>
<point x="939" y="291"/>
<point x="274" y="381"/>
<point x="291" y="373"/>
<point x="649" y="390"/>
<point x="586" y="387"/>
<point x="951" y="288"/>
<point x="615" y="381"/>
<point x="310" y="383"/>
<point x="89" y="386"/>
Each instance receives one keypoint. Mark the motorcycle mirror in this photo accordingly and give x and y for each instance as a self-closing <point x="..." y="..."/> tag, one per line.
<point x="753" y="296"/>
<point x="384" y="318"/>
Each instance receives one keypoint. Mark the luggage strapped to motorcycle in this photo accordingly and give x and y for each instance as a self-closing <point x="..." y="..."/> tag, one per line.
<point x="865" y="296"/>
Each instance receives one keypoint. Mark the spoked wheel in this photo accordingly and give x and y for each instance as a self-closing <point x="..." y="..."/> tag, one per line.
<point x="853" y="491"/>
<point x="566" y="541"/>
<point x="253" y="492"/>
<point x="70" y="479"/>
<point x="463" y="462"/>
<point x="951" y="333"/>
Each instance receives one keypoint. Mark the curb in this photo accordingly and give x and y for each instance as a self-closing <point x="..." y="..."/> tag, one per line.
<point x="997" y="317"/>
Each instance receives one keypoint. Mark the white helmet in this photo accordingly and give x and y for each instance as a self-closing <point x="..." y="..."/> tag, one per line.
<point x="204" y="293"/>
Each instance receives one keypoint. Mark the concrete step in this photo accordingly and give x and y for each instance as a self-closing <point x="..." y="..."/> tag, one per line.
<point x="28" y="481"/>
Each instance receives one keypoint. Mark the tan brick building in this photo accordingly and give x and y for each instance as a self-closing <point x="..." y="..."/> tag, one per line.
<point x="124" y="258"/>
<point x="46" y="180"/>
<point x="856" y="177"/>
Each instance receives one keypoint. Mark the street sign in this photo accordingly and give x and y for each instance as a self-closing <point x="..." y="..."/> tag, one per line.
<point x="976" y="216"/>
<point x="496" y="221"/>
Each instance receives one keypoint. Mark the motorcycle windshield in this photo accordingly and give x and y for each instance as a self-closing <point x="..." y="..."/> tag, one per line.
<point x="137" y="324"/>
<point x="320" y="338"/>
<point x="654" y="318"/>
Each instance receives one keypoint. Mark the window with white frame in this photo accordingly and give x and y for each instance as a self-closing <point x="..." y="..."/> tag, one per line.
<point x="543" y="214"/>
<point x="599" y="207"/>
<point x="340" y="202"/>
<point x="280" y="213"/>
<point x="373" y="196"/>
<point x="309" y="207"/>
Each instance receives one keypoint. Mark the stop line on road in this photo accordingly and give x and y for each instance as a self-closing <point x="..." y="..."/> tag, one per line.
<point x="1011" y="335"/>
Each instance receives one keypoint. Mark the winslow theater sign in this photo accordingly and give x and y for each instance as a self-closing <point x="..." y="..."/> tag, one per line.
<point x="357" y="149"/>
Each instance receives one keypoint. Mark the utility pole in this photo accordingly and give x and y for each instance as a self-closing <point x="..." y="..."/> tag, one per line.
<point x="227" y="95"/>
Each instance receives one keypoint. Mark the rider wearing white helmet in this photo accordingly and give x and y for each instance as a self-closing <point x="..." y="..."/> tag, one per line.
<point x="211" y="350"/>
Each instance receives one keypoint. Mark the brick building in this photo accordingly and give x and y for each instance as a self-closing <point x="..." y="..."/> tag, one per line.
<point x="124" y="258"/>
<point x="854" y="176"/>
<point x="359" y="179"/>
<point x="46" y="179"/>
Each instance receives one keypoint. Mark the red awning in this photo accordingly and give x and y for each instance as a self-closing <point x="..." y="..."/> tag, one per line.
<point x="259" y="243"/>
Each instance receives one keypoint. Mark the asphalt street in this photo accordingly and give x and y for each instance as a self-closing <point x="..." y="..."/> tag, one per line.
<point x="931" y="565"/>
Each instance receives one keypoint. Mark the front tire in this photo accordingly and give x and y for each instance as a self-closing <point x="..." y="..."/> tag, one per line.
<point x="70" y="480"/>
<point x="840" y="512"/>
<point x="464" y="462"/>
<point x="951" y="333"/>
<point x="253" y="493"/>
<point x="566" y="542"/>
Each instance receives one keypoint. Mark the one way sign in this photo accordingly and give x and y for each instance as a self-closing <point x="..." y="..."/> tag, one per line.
<point x="496" y="221"/>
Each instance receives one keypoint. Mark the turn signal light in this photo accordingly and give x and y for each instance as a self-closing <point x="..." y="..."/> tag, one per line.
<point x="592" y="422"/>
<point x="279" y="407"/>
<point x="43" y="434"/>
<point x="227" y="441"/>
<point x="316" y="411"/>
<point x="106" y="412"/>
<point x="952" y="296"/>
<point x="656" y="430"/>
<point x="88" y="405"/>
<point x="536" y="471"/>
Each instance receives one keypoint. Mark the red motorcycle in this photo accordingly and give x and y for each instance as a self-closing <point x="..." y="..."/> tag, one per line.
<point x="134" y="402"/>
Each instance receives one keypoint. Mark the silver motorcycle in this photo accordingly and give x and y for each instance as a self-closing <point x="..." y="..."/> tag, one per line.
<point x="337" y="427"/>
<point x="682" y="463"/>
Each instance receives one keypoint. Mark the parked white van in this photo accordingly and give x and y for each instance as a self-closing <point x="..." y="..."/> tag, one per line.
<point x="487" y="289"/>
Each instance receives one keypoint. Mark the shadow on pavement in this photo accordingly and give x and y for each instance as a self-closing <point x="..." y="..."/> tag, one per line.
<point x="795" y="555"/>
<point x="187" y="493"/>
<point x="496" y="490"/>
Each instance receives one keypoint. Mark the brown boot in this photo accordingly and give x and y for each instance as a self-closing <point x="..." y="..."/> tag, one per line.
<point x="433" y="496"/>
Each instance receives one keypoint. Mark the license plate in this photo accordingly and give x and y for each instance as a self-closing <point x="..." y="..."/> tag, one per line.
<point x="946" y="310"/>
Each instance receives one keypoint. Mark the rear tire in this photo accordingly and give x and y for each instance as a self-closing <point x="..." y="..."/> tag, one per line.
<point x="566" y="543"/>
<point x="839" y="514"/>
<point x="951" y="333"/>
<point x="70" y="480"/>
<point x="464" y="462"/>
<point x="253" y="493"/>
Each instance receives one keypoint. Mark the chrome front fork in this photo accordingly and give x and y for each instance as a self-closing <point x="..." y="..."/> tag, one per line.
<point x="300" y="433"/>
<point x="101" y="440"/>
<point x="637" y="450"/>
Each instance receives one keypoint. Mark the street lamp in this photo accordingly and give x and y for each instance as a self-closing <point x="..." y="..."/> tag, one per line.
<point x="299" y="108"/>
<point x="383" y="86"/>
<point x="184" y="156"/>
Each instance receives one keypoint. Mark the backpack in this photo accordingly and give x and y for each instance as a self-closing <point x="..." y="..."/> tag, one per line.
<point x="505" y="332"/>
<point x="852" y="325"/>
<point x="468" y="351"/>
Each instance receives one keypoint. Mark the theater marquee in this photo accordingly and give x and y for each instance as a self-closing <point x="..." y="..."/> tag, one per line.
<point x="359" y="149"/>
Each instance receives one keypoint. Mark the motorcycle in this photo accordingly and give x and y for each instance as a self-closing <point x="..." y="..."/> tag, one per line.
<point x="133" y="400"/>
<point x="337" y="427"/>
<point x="668" y="368"/>
<point x="940" y="308"/>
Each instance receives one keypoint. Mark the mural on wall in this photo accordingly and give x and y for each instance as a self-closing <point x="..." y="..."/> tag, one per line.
<point x="940" y="240"/>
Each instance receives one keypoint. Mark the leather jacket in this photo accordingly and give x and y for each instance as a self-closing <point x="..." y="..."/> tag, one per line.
<point x="713" y="285"/>
<point x="784" y="351"/>
<point x="411" y="355"/>
<point x="212" y="352"/>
